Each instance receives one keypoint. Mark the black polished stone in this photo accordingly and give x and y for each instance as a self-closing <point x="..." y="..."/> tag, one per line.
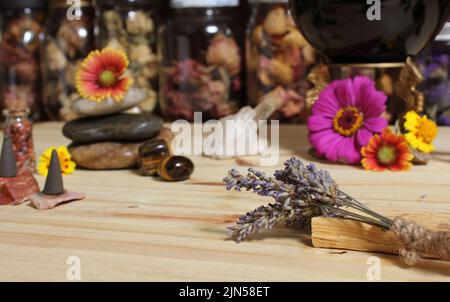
<point x="117" y="127"/>
<point x="341" y="31"/>
<point x="176" y="168"/>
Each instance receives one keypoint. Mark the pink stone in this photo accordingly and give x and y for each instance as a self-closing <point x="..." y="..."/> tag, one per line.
<point x="47" y="202"/>
<point x="15" y="190"/>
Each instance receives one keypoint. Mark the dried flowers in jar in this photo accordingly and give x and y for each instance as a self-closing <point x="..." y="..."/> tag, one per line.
<point x="201" y="53"/>
<point x="277" y="56"/>
<point x="434" y="63"/>
<point x="69" y="37"/>
<point x="19" y="129"/>
<point x="21" y="25"/>
<point x="130" y="26"/>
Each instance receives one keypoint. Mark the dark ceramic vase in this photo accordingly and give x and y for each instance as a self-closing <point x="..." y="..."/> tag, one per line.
<point x="343" y="33"/>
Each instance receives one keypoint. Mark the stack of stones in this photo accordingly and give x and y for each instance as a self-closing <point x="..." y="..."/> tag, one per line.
<point x="108" y="138"/>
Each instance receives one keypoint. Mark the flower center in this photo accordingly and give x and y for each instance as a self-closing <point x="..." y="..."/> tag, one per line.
<point x="427" y="130"/>
<point x="387" y="155"/>
<point x="348" y="120"/>
<point x="107" y="78"/>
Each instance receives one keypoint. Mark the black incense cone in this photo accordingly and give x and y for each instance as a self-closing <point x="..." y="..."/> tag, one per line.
<point x="54" y="182"/>
<point x="8" y="166"/>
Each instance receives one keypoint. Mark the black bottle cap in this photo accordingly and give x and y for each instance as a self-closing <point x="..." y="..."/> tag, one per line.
<point x="54" y="183"/>
<point x="20" y="4"/>
<point x="127" y="2"/>
<point x="8" y="166"/>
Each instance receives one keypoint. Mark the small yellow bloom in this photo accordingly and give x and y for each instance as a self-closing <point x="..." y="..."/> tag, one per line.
<point x="65" y="161"/>
<point x="421" y="132"/>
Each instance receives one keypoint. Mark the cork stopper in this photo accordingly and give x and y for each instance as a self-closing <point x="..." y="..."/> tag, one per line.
<point x="54" y="182"/>
<point x="8" y="166"/>
<point x="15" y="104"/>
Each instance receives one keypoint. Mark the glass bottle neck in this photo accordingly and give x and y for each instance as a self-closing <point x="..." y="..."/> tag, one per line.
<point x="16" y="114"/>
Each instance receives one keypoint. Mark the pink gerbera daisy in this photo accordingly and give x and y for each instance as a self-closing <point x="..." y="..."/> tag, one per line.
<point x="345" y="117"/>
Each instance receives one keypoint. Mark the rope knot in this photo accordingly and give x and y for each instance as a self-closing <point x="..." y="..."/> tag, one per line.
<point x="418" y="241"/>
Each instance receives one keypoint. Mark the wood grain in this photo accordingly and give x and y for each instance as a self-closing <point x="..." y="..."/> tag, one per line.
<point x="352" y="235"/>
<point x="133" y="228"/>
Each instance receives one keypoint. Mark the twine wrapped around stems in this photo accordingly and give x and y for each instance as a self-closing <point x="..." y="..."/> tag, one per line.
<point x="418" y="241"/>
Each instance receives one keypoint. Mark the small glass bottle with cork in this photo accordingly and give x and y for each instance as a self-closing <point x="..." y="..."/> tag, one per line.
<point x="19" y="129"/>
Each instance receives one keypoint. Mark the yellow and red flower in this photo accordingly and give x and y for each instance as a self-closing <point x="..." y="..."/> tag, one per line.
<point x="387" y="151"/>
<point x="101" y="75"/>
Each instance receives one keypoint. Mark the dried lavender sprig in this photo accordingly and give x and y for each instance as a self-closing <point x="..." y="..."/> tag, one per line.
<point x="307" y="179"/>
<point x="354" y="216"/>
<point x="352" y="202"/>
<point x="253" y="222"/>
<point x="301" y="192"/>
<point x="322" y="182"/>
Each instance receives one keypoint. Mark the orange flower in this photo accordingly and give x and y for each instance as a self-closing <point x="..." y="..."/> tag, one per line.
<point x="387" y="152"/>
<point x="101" y="75"/>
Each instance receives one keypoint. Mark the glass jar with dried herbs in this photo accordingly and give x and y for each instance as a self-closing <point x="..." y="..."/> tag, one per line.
<point x="434" y="62"/>
<point x="69" y="37"/>
<point x="277" y="56"/>
<point x="19" y="129"/>
<point x="201" y="48"/>
<point x="130" y="26"/>
<point x="21" y="24"/>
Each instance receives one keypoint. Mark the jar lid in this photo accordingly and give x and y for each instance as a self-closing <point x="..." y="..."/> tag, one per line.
<point x="267" y="1"/>
<point x="23" y="4"/>
<point x="65" y="4"/>
<point x="203" y="3"/>
<point x="113" y="2"/>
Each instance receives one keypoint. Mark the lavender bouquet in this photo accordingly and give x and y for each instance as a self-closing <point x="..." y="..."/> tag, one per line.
<point x="302" y="192"/>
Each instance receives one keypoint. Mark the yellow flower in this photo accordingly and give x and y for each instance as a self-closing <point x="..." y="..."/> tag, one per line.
<point x="65" y="161"/>
<point x="421" y="132"/>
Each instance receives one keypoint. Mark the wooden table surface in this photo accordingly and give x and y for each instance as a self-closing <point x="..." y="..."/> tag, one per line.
<point x="133" y="228"/>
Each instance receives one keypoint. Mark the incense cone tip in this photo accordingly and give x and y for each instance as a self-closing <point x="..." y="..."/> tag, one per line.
<point x="8" y="166"/>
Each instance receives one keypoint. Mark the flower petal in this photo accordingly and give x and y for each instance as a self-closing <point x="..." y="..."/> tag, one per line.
<point x="333" y="147"/>
<point x="320" y="140"/>
<point x="367" y="98"/>
<point x="343" y="89"/>
<point x="363" y="136"/>
<point x="318" y="123"/>
<point x="327" y="104"/>
<point x="348" y="152"/>
<point x="375" y="124"/>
